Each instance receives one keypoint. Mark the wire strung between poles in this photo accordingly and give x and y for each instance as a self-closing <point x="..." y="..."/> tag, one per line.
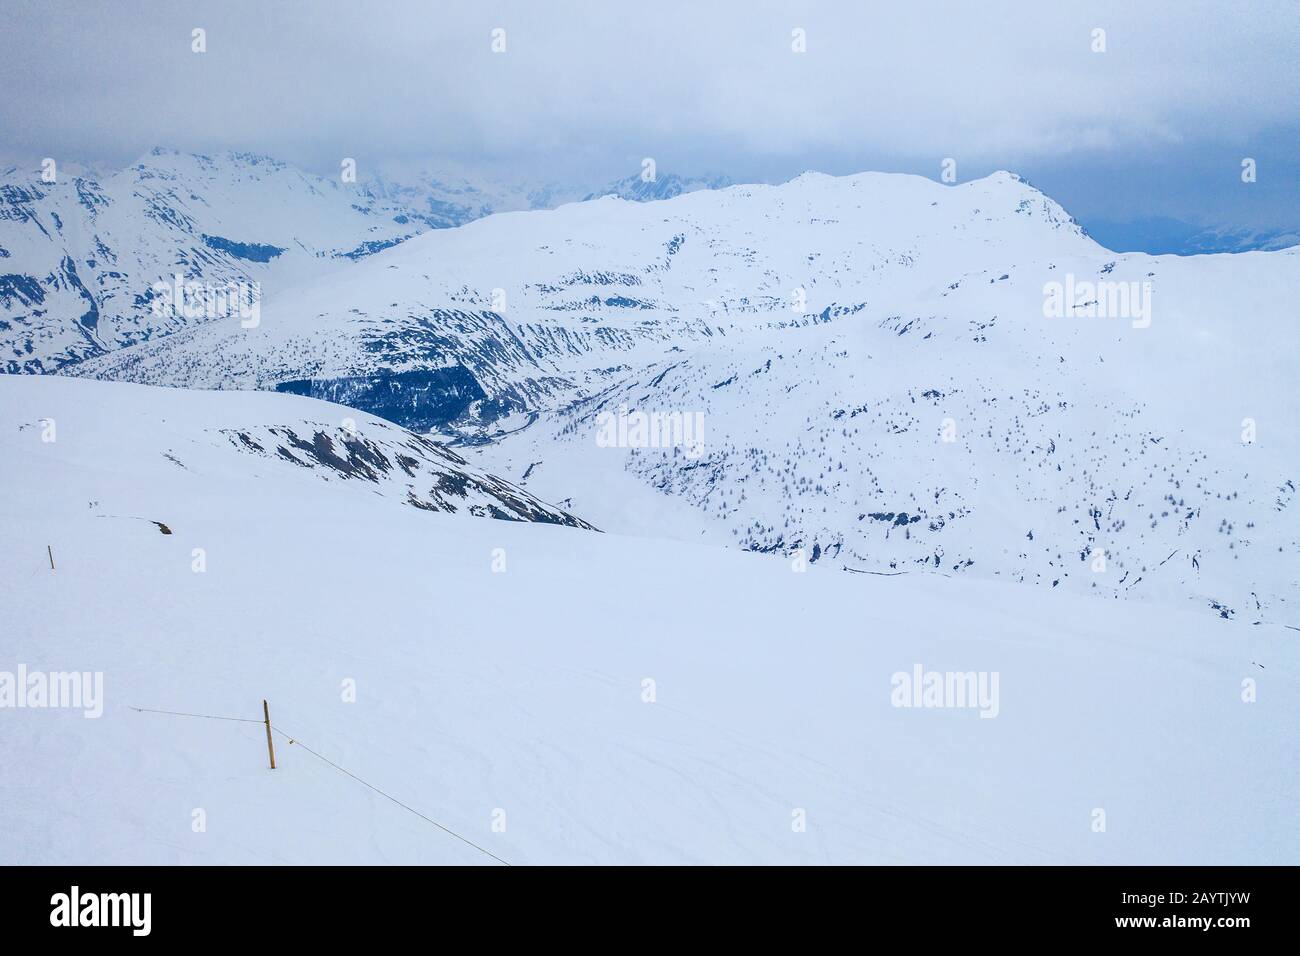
<point x="177" y="713"/>
<point x="295" y="741"/>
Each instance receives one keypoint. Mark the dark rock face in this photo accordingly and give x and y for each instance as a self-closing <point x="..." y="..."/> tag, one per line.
<point x="251" y="251"/>
<point x="409" y="467"/>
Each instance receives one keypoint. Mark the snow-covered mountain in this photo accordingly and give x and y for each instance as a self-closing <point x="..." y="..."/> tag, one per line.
<point x="453" y="200"/>
<point x="638" y="188"/>
<point x="81" y="260"/>
<point x="449" y="199"/>
<point x="553" y="695"/>
<point x="532" y="304"/>
<point x="83" y="256"/>
<point x="1234" y="239"/>
<point x="881" y="376"/>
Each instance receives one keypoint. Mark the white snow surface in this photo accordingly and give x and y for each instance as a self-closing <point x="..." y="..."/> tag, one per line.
<point x="482" y="692"/>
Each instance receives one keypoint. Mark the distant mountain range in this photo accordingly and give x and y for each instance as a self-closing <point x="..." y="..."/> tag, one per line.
<point x="1165" y="236"/>
<point x="80" y="256"/>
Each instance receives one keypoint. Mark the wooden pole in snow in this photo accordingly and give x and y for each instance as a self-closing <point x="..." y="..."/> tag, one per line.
<point x="50" y="551"/>
<point x="270" y="748"/>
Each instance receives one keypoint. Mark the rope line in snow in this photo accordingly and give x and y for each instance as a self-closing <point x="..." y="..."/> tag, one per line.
<point x="294" y="740"/>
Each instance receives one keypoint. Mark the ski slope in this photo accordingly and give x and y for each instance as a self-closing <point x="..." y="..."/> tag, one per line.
<point x="489" y="691"/>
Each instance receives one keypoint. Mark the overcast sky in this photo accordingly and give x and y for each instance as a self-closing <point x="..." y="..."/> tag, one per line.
<point x="1156" y="125"/>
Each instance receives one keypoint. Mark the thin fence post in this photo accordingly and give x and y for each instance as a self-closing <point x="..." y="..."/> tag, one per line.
<point x="270" y="748"/>
<point x="50" y="551"/>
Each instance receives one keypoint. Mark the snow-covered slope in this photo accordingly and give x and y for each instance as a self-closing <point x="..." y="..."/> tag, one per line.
<point x="1003" y="446"/>
<point x="870" y="358"/>
<point x="80" y="426"/>
<point x="560" y="696"/>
